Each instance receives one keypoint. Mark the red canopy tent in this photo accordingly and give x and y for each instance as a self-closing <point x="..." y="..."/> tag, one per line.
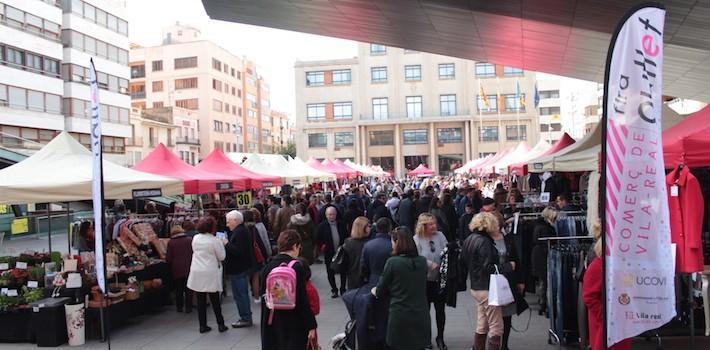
<point x="341" y="164"/>
<point x="688" y="141"/>
<point x="218" y="162"/>
<point x="562" y="143"/>
<point x="337" y="169"/>
<point x="421" y="170"/>
<point x="164" y="162"/>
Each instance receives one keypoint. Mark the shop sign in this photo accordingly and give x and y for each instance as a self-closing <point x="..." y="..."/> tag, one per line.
<point x="267" y="184"/>
<point x="147" y="193"/>
<point x="19" y="226"/>
<point x="224" y="186"/>
<point x="4" y="209"/>
<point x="243" y="199"/>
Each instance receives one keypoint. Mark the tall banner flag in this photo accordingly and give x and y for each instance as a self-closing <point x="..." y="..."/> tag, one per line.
<point x="97" y="184"/>
<point x="638" y="256"/>
<point x="519" y="95"/>
<point x="484" y="97"/>
<point x="537" y="96"/>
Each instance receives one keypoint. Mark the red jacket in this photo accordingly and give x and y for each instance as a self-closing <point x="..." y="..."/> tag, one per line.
<point x="592" y="295"/>
<point x="313" y="298"/>
<point x="179" y="255"/>
<point x="686" y="214"/>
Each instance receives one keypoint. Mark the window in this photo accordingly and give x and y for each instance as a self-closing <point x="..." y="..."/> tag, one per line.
<point x="551" y="127"/>
<point x="159" y="104"/>
<point x="79" y="41"/>
<point x="378" y="49"/>
<point x="447" y="71"/>
<point x="414" y="107"/>
<point x="185" y="83"/>
<point x="492" y="105"/>
<point x="448" y="162"/>
<point x="379" y="108"/>
<point x="344" y="139"/>
<point x="549" y="110"/>
<point x="315" y="111"/>
<point x="158" y="86"/>
<point x="226" y="68"/>
<point x="488" y="134"/>
<point x="191" y="103"/>
<point x="343" y="110"/>
<point x="29" y="22"/>
<point x="216" y="84"/>
<point x="33" y="62"/>
<point x="449" y="135"/>
<point x="186" y="62"/>
<point x="252" y="100"/>
<point x="251" y="81"/>
<point x="382" y="138"/>
<point x="341" y="77"/>
<point x="411" y="162"/>
<point x="216" y="105"/>
<point x="157" y="66"/>
<point x="251" y="113"/>
<point x="413" y="72"/>
<point x="549" y="94"/>
<point x="378" y="74"/>
<point x="15" y="56"/>
<point x="512" y="71"/>
<point x="232" y="72"/>
<point x="138" y="71"/>
<point x="415" y="136"/>
<point x="447" y="104"/>
<point x="216" y="64"/>
<point x="513" y="103"/>
<point x="485" y="70"/>
<point x="387" y="163"/>
<point x="317" y="140"/>
<point x="516" y="132"/>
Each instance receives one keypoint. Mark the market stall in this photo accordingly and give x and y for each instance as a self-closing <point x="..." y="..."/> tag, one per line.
<point x="218" y="162"/>
<point x="421" y="171"/>
<point x="688" y="141"/>
<point x="289" y="175"/>
<point x="501" y="166"/>
<point x="346" y="167"/>
<point x="164" y="162"/>
<point x="314" y="175"/>
<point x="466" y="168"/>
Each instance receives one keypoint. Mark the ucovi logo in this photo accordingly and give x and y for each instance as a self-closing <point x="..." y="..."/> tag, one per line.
<point x="624" y="299"/>
<point x="650" y="281"/>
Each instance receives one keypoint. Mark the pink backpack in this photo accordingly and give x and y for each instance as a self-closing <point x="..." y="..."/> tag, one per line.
<point x="281" y="288"/>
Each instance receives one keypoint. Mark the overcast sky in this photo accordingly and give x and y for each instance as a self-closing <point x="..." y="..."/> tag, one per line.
<point x="275" y="51"/>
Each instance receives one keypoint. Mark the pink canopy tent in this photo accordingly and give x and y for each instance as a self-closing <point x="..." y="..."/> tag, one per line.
<point x="522" y="167"/>
<point x="218" y="162"/>
<point x="196" y="181"/>
<point x="517" y="153"/>
<point x="344" y="166"/>
<point x="338" y="170"/>
<point x="483" y="166"/>
<point x="421" y="170"/>
<point x="328" y="168"/>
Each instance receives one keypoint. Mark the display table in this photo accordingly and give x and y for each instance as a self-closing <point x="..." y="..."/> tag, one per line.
<point x="121" y="313"/>
<point x="14" y="326"/>
<point x="48" y="322"/>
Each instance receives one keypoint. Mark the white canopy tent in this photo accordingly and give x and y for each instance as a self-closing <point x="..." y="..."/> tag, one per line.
<point x="314" y="175"/>
<point x="366" y="171"/>
<point x="470" y="164"/>
<point x="501" y="166"/>
<point x="580" y="156"/>
<point x="62" y="171"/>
<point x="256" y="164"/>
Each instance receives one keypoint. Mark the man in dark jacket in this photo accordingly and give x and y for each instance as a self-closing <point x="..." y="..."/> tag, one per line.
<point x="464" y="221"/>
<point x="239" y="264"/>
<point x="331" y="234"/>
<point x="356" y="197"/>
<point x="424" y="202"/>
<point x="406" y="211"/>
<point x="329" y="203"/>
<point x="378" y="209"/>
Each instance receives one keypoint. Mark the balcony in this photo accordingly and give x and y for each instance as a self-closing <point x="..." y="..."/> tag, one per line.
<point x="184" y="140"/>
<point x="137" y="95"/>
<point x="134" y="142"/>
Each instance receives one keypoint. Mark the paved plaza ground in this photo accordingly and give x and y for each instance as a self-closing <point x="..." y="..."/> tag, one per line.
<point x="170" y="330"/>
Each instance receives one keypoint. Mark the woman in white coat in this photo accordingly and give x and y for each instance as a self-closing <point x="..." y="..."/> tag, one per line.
<point x="205" y="277"/>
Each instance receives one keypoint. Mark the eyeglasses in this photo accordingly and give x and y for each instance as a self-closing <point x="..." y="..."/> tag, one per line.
<point x="432" y="246"/>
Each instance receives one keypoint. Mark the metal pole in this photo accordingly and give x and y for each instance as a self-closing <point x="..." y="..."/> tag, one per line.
<point x="68" y="231"/>
<point x="692" y="311"/>
<point x="49" y="226"/>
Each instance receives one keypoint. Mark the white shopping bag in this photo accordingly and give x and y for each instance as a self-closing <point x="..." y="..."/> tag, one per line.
<point x="499" y="293"/>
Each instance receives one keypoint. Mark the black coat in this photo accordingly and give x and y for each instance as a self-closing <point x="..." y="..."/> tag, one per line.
<point x="378" y="210"/>
<point x="452" y="219"/>
<point x="422" y="206"/>
<point x="321" y="212"/>
<point x="240" y="251"/>
<point x="464" y="221"/>
<point x="289" y="328"/>
<point x="407" y="215"/>
<point x="481" y="257"/>
<point x="538" y="256"/>
<point x="324" y="236"/>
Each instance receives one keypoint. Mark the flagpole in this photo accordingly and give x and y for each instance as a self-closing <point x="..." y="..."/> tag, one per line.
<point x="480" y="115"/>
<point x="517" y="110"/>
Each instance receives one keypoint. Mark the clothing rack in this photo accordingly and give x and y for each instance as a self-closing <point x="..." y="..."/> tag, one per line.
<point x="562" y="263"/>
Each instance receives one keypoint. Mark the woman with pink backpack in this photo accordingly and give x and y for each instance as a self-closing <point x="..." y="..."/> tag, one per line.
<point x="287" y="321"/>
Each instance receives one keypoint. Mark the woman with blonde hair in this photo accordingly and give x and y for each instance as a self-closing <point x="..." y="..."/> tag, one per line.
<point x="359" y="235"/>
<point x="430" y="243"/>
<point x="482" y="259"/>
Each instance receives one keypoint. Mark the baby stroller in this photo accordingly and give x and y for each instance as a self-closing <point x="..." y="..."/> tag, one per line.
<point x="345" y="340"/>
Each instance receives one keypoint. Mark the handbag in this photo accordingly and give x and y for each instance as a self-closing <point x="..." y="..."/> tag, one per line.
<point x="339" y="263"/>
<point x="499" y="293"/>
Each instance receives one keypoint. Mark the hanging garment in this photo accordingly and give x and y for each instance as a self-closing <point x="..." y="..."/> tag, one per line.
<point x="593" y="199"/>
<point x="686" y="205"/>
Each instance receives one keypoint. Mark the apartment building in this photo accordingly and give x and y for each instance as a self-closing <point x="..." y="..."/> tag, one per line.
<point x="280" y="131"/>
<point x="176" y="128"/>
<point x="550" y="110"/>
<point x="397" y="108"/>
<point x="225" y="91"/>
<point x="45" y="48"/>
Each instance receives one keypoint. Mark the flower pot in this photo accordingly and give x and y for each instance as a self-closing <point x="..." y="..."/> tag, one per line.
<point x="75" y="324"/>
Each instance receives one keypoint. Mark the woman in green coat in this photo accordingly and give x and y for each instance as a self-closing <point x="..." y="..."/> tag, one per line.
<point x="404" y="281"/>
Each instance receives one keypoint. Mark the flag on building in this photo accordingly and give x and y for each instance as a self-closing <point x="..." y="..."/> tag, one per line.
<point x="97" y="184"/>
<point x="640" y="294"/>
<point x="484" y="97"/>
<point x="520" y="96"/>
<point x="537" y="96"/>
